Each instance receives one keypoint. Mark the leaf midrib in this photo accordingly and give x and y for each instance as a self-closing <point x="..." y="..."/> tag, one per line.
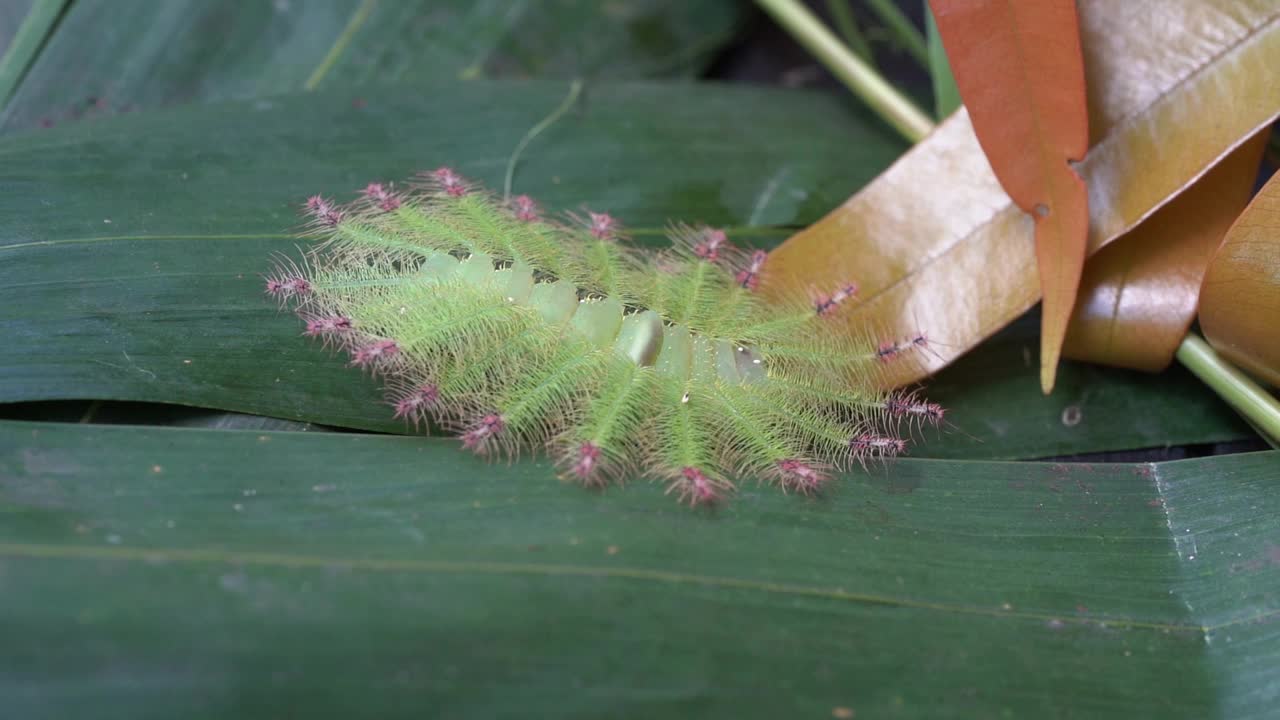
<point x="447" y="567"/>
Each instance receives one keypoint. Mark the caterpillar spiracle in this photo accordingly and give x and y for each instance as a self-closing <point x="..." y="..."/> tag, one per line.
<point x="516" y="331"/>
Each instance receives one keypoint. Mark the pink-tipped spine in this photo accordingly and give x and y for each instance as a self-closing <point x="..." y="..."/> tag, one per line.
<point x="602" y="225"/>
<point x="711" y="243"/>
<point x="696" y="488"/>
<point x="287" y="287"/>
<point x="585" y="466"/>
<point x="872" y="445"/>
<point x="799" y="476"/>
<point x="323" y="211"/>
<point x="910" y="408"/>
<point x="525" y="208"/>
<point x="323" y="326"/>
<point x="824" y="305"/>
<point x="374" y="354"/>
<point x="381" y="196"/>
<point x="480" y="438"/>
<point x="413" y="406"/>
<point x="749" y="277"/>
<point x="449" y="182"/>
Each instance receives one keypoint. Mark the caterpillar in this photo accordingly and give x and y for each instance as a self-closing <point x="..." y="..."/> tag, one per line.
<point x="517" y="331"/>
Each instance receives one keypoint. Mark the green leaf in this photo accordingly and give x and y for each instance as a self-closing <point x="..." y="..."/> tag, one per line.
<point x="130" y="248"/>
<point x="996" y="409"/>
<point x="110" y="56"/>
<point x="946" y="96"/>
<point x="165" y="569"/>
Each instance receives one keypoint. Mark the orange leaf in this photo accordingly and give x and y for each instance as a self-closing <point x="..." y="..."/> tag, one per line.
<point x="1020" y="72"/>
<point x="1240" y="297"/>
<point x="1138" y="296"/>
<point x="937" y="245"/>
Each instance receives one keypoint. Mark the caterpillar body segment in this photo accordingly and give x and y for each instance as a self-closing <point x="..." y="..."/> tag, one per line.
<point x="518" y="332"/>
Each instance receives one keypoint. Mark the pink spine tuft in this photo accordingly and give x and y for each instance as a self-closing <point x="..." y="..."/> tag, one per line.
<point x="586" y="465"/>
<point x="695" y="487"/>
<point x="323" y="211"/>
<point x="328" y="325"/>
<point x="910" y="408"/>
<point x="381" y="196"/>
<point x="287" y="287"/>
<point x="800" y="476"/>
<point x="482" y="434"/>
<point x="826" y="304"/>
<point x="414" y="405"/>
<point x="877" y="445"/>
<point x="450" y="182"/>
<point x="525" y="208"/>
<point x="890" y="350"/>
<point x="749" y="277"/>
<point x="710" y="244"/>
<point x="602" y="225"/>
<point x="374" y="353"/>
<point x="921" y="341"/>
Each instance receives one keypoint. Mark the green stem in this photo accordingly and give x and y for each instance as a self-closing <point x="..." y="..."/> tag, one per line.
<point x="842" y="16"/>
<point x="575" y="88"/>
<point x="901" y="26"/>
<point x="26" y="44"/>
<point x="897" y="109"/>
<point x="1257" y="405"/>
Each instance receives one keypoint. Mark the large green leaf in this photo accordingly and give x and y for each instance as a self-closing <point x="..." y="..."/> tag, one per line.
<point x="164" y="572"/>
<point x="120" y="55"/>
<point x="998" y="412"/>
<point x="130" y="248"/>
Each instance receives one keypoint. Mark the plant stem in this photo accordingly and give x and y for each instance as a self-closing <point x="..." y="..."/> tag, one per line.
<point x="865" y="82"/>
<point x="575" y="88"/>
<point x="1256" y="404"/>
<point x="900" y="25"/>
<point x="946" y="96"/>
<point x="26" y="44"/>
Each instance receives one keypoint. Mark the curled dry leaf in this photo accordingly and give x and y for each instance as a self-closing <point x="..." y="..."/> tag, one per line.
<point x="1020" y="73"/>
<point x="1240" y="298"/>
<point x="937" y="245"/>
<point x="1138" y="296"/>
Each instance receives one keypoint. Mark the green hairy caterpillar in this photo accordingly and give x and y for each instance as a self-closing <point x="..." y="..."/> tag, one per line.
<point x="519" y="332"/>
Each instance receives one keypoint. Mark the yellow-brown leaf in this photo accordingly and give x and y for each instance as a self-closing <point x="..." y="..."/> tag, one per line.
<point x="937" y="245"/>
<point x="1138" y="295"/>
<point x="1240" y="297"/>
<point x="1019" y="70"/>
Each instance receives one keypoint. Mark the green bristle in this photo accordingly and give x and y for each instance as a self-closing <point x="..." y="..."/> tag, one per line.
<point x="540" y="404"/>
<point x="478" y="383"/>
<point x="606" y="268"/>
<point x="821" y="427"/>
<point x="751" y="440"/>
<point x="616" y="419"/>
<point x="425" y="225"/>
<point x="684" y="437"/>
<point x="359" y="239"/>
